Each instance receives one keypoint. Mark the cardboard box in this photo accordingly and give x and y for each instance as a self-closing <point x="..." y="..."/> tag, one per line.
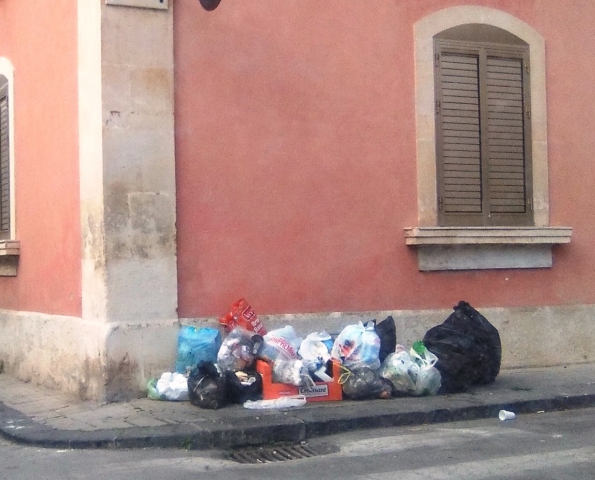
<point x="320" y="392"/>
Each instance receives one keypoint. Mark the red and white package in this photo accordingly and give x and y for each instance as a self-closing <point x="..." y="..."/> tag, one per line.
<point x="242" y="315"/>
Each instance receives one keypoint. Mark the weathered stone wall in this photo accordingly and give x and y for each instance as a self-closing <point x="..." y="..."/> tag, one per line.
<point x="89" y="359"/>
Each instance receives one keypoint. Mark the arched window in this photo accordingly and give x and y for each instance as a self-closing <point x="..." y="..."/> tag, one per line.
<point x="482" y="160"/>
<point x="9" y="246"/>
<point x="483" y="127"/>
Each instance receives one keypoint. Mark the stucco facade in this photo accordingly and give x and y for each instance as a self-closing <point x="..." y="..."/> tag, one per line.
<point x="168" y="160"/>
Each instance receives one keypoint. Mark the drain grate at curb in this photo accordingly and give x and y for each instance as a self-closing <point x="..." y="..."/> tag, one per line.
<point x="279" y="453"/>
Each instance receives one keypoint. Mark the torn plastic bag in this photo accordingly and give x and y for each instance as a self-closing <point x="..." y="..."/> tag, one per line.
<point x="387" y="333"/>
<point x="207" y="386"/>
<point x="239" y="350"/>
<point x="358" y="346"/>
<point x="282" y="343"/>
<point x="364" y="383"/>
<point x="468" y="349"/>
<point x="196" y="345"/>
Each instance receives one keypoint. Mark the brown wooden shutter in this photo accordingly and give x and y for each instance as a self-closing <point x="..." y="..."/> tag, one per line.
<point x="459" y="142"/>
<point x="482" y="135"/>
<point x="507" y="145"/>
<point x="4" y="164"/>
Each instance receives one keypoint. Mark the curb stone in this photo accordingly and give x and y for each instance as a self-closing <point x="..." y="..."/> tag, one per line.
<point x="288" y="426"/>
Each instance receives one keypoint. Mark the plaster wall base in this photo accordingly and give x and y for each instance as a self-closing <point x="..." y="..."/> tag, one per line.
<point x="93" y="360"/>
<point x="113" y="361"/>
<point x="530" y="336"/>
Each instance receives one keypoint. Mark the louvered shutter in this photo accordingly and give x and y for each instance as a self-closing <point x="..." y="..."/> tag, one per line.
<point x="482" y="135"/>
<point x="459" y="125"/>
<point x="507" y="143"/>
<point x="4" y="164"/>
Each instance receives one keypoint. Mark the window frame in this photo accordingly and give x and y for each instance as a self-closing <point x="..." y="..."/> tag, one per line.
<point x="9" y="245"/>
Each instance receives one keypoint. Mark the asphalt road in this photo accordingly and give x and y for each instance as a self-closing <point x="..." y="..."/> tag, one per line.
<point x="539" y="446"/>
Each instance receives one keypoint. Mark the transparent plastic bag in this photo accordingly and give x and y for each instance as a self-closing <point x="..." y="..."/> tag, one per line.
<point x="422" y="356"/>
<point x="292" y="372"/>
<point x="400" y="370"/>
<point x="315" y="350"/>
<point x="428" y="377"/>
<point x="412" y="372"/>
<point x="358" y="346"/>
<point x="364" y="383"/>
<point x="239" y="350"/>
<point x="281" y="343"/>
<point x="428" y="382"/>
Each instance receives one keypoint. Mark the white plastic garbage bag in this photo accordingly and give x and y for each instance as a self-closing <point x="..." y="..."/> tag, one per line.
<point x="172" y="386"/>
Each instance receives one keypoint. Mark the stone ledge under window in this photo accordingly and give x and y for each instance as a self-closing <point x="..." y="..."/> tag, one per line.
<point x="482" y="248"/>
<point x="9" y="257"/>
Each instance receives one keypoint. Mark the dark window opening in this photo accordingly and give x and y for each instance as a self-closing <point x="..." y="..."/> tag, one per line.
<point x="4" y="161"/>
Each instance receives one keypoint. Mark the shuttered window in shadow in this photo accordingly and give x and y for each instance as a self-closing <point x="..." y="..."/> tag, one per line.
<point x="483" y="136"/>
<point x="4" y="162"/>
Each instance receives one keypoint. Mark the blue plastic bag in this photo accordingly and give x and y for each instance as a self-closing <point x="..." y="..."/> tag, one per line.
<point x="196" y="344"/>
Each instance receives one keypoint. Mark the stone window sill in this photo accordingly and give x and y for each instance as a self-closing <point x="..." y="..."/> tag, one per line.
<point x="479" y="248"/>
<point x="9" y="257"/>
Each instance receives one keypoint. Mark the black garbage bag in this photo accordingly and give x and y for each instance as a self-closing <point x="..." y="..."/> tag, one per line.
<point x="468" y="349"/>
<point x="387" y="333"/>
<point x="243" y="386"/>
<point x="207" y="386"/>
<point x="364" y="383"/>
<point x="475" y="324"/>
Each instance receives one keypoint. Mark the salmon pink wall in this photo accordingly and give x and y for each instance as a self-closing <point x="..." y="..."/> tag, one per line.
<point x="296" y="160"/>
<point x="39" y="38"/>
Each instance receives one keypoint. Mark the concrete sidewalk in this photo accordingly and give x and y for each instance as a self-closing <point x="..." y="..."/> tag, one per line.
<point x="36" y="416"/>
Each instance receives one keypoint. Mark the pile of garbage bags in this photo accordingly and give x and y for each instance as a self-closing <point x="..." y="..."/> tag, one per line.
<point x="217" y="366"/>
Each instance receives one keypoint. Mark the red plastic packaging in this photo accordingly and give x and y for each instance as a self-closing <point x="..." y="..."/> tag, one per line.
<point x="242" y="315"/>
